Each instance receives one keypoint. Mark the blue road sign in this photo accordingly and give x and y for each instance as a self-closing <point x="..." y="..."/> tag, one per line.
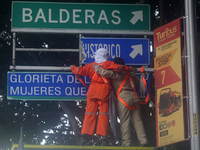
<point x="134" y="51"/>
<point x="46" y="86"/>
<point x="52" y="86"/>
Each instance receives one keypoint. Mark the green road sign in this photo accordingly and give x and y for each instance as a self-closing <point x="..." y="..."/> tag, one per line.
<point x="80" y="16"/>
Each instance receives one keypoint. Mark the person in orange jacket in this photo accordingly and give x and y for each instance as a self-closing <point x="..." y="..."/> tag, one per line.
<point x="97" y="96"/>
<point x="127" y="103"/>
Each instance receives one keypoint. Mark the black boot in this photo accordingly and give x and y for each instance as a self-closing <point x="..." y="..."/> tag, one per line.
<point x="84" y="140"/>
<point x="117" y="141"/>
<point x="104" y="141"/>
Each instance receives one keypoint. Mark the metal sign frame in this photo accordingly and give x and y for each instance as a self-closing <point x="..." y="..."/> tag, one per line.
<point x="64" y="31"/>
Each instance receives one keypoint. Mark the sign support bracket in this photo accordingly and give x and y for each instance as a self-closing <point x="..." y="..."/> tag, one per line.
<point x="13" y="56"/>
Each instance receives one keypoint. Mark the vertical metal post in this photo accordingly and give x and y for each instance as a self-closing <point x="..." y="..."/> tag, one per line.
<point x="13" y="56"/>
<point x="192" y="73"/>
<point x="80" y="50"/>
<point x="21" y="145"/>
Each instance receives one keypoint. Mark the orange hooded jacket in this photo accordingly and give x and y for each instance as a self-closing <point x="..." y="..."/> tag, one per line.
<point x="98" y="89"/>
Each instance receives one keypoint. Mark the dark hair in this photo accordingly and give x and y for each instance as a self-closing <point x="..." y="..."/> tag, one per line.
<point x="119" y="60"/>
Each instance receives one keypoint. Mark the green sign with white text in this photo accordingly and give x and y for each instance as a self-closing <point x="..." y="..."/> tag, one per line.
<point x="80" y="16"/>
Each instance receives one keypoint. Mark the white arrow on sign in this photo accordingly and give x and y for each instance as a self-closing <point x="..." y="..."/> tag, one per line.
<point x="138" y="15"/>
<point x="137" y="49"/>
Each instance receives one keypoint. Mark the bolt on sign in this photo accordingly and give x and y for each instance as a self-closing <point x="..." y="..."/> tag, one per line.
<point x="82" y="16"/>
<point x="168" y="84"/>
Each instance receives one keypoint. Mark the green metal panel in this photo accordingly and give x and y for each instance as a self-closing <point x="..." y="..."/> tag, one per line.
<point x="85" y="16"/>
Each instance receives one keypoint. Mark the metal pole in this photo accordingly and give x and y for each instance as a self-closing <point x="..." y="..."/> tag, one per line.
<point x="80" y="50"/>
<point x="21" y="145"/>
<point x="13" y="58"/>
<point x="192" y="73"/>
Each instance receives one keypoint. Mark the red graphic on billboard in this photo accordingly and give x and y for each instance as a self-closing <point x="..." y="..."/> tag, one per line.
<point x="165" y="77"/>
